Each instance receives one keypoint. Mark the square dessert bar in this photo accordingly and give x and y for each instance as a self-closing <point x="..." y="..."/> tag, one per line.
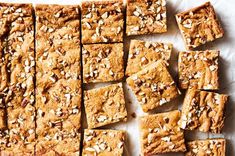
<point x="203" y="110"/>
<point x="210" y="147"/>
<point x="102" y="21"/>
<point x="58" y="80"/>
<point x="103" y="142"/>
<point x="153" y="86"/>
<point x="160" y="133"/>
<point x="199" y="69"/>
<point x="199" y="25"/>
<point x="105" y="105"/>
<point x="143" y="53"/>
<point x="102" y="62"/>
<point x="146" y="17"/>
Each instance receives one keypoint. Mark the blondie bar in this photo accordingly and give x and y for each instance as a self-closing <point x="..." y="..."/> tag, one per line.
<point x="199" y="69"/>
<point x="58" y="79"/>
<point x="102" y="21"/>
<point x="102" y="62"/>
<point x="105" y="105"/>
<point x="17" y="73"/>
<point x="153" y="86"/>
<point x="143" y="53"/>
<point x="160" y="133"/>
<point x="199" y="25"/>
<point x="210" y="147"/>
<point x="103" y="142"/>
<point x="203" y="110"/>
<point x="146" y="17"/>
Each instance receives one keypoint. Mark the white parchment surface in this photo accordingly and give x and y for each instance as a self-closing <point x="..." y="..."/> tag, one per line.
<point x="225" y="10"/>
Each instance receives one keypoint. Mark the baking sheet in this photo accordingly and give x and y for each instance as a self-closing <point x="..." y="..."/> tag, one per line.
<point x="226" y="12"/>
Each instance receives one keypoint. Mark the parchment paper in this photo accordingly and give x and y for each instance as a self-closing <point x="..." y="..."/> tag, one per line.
<point x="225" y="9"/>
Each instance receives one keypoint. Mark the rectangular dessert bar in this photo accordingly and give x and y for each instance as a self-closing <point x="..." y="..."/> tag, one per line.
<point x="103" y="142"/>
<point x="143" y="53"/>
<point x="105" y="105"/>
<point x="146" y="17"/>
<point x="199" y="69"/>
<point x="203" y="110"/>
<point x="17" y="74"/>
<point x="102" y="21"/>
<point x="153" y="86"/>
<point x="160" y="133"/>
<point x="102" y="62"/>
<point x="199" y="25"/>
<point x="212" y="147"/>
<point x="58" y="79"/>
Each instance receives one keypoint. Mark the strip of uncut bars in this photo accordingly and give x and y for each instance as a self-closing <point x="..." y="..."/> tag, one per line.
<point x="55" y="108"/>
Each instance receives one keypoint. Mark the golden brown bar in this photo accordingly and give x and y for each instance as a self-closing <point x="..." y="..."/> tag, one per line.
<point x="199" y="25"/>
<point x="103" y="142"/>
<point x="153" y="86"/>
<point x="160" y="133"/>
<point x="17" y="74"/>
<point x="146" y="17"/>
<point x="203" y="110"/>
<point x="199" y="69"/>
<point x="105" y="105"/>
<point x="58" y="80"/>
<point x="143" y="53"/>
<point x="208" y="147"/>
<point x="102" y="21"/>
<point x="103" y="62"/>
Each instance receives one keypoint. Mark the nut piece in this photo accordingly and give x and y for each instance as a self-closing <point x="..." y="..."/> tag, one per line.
<point x="103" y="142"/>
<point x="203" y="111"/>
<point x="160" y="133"/>
<point x="143" y="53"/>
<point x="102" y="21"/>
<point x="215" y="147"/>
<point x="153" y="86"/>
<point x="199" y="69"/>
<point x="105" y="105"/>
<point x="199" y="25"/>
<point x="146" y="17"/>
<point x="102" y="62"/>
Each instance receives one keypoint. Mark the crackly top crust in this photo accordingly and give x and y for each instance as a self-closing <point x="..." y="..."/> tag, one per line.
<point x="199" y="25"/>
<point x="146" y="17"/>
<point x="143" y="53"/>
<point x="17" y="74"/>
<point x="209" y="147"/>
<point x="103" y="62"/>
<point x="160" y="133"/>
<point x="58" y="99"/>
<point x="203" y="111"/>
<point x="199" y="69"/>
<point x="103" y="142"/>
<point x="102" y="21"/>
<point x="105" y="105"/>
<point x="153" y="86"/>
